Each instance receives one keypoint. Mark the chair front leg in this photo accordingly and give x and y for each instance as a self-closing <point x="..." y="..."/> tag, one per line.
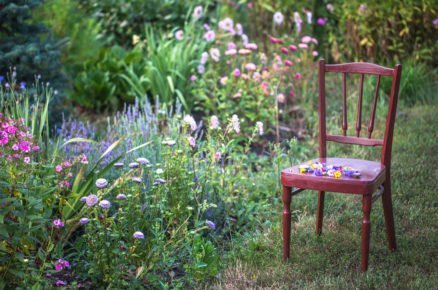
<point x="320" y="212"/>
<point x="366" y="228"/>
<point x="287" y="197"/>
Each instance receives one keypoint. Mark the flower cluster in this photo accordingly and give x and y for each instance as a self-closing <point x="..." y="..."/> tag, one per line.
<point x="16" y="142"/>
<point x="65" y="168"/>
<point x="322" y="169"/>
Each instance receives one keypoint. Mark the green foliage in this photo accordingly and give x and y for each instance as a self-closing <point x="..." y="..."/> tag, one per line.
<point x="27" y="45"/>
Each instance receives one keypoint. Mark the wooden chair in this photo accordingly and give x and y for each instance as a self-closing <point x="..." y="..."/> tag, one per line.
<point x="374" y="175"/>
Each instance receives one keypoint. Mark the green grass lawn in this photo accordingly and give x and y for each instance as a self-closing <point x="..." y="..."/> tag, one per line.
<point x="333" y="260"/>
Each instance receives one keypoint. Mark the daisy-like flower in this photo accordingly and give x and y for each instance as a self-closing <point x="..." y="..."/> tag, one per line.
<point x="159" y="181"/>
<point x="278" y="18"/>
<point x="210" y="224"/>
<point x="281" y="98"/>
<point x="306" y="39"/>
<point x="105" y="204"/>
<point x="303" y="46"/>
<point x="179" y="35"/>
<point x="215" y="54"/>
<point x="192" y="141"/>
<point x="58" y="168"/>
<point x="138" y="235"/>
<point x="91" y="200"/>
<point x="244" y="51"/>
<point x="231" y="52"/>
<point x="235" y="123"/>
<point x="198" y="12"/>
<point x="288" y="62"/>
<point x="251" y="46"/>
<point x="118" y="164"/>
<point x="210" y="36"/>
<point x="137" y="179"/>
<point x="84" y="220"/>
<point x="191" y="122"/>
<point x="260" y="128"/>
<point x="214" y="122"/>
<point x="330" y="7"/>
<point x="169" y="142"/>
<point x="236" y="72"/>
<point x="226" y="24"/>
<point x="26" y="160"/>
<point x="101" y="183"/>
<point x="121" y="196"/>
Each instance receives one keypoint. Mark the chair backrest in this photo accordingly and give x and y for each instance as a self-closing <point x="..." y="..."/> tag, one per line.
<point x="362" y="69"/>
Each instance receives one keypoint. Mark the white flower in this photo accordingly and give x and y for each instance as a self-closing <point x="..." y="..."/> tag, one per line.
<point x="309" y="17"/>
<point x="214" y="122"/>
<point x="231" y="52"/>
<point x="179" y="35"/>
<point x="198" y="12"/>
<point x="226" y="24"/>
<point x="191" y="122"/>
<point x="250" y="66"/>
<point x="278" y="18"/>
<point x="209" y="35"/>
<point x="235" y="123"/>
<point x="330" y="7"/>
<point x="260" y="127"/>
<point x="204" y="57"/>
<point x="298" y="21"/>
<point x="215" y="54"/>
<point x="223" y="81"/>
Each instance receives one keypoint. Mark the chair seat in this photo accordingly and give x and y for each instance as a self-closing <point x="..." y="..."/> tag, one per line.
<point x="372" y="176"/>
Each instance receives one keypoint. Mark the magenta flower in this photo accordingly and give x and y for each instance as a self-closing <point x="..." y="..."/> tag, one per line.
<point x="58" y="168"/>
<point x="138" y="235"/>
<point x="61" y="264"/>
<point x="298" y="76"/>
<point x="15" y="147"/>
<point x="284" y="50"/>
<point x="251" y="46"/>
<point x="210" y="36"/>
<point x="275" y="40"/>
<point x="321" y="21"/>
<point x="231" y="45"/>
<point x="435" y="22"/>
<point x="287" y="62"/>
<point x="58" y="223"/>
<point x="60" y="283"/>
<point x="193" y="78"/>
<point x="236" y="72"/>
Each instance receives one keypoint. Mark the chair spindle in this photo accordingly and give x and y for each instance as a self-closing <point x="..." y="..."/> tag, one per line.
<point x="344" y="104"/>
<point x="373" y="110"/>
<point x="359" y="107"/>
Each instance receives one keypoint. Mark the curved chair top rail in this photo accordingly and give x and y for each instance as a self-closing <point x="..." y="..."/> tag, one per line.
<point x="360" y="68"/>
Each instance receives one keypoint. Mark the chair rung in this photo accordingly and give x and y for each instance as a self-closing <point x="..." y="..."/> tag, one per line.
<point x="378" y="193"/>
<point x="296" y="191"/>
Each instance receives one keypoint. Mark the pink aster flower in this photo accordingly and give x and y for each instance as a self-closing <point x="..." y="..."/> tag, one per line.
<point x="321" y="21"/>
<point x="236" y="72"/>
<point x="231" y="45"/>
<point x="214" y="122"/>
<point x="91" y="200"/>
<point x="58" y="168"/>
<point x="58" y="223"/>
<point x="284" y="50"/>
<point x="192" y="141"/>
<point x="287" y="62"/>
<point x="217" y="156"/>
<point x="62" y="264"/>
<point x="315" y="53"/>
<point x="298" y="76"/>
<point x="179" y="35"/>
<point x="250" y="66"/>
<point x="251" y="46"/>
<point x="210" y="36"/>
<point x="281" y="98"/>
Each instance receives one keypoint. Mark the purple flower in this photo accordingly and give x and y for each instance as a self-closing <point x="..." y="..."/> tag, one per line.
<point x="236" y="72"/>
<point x="159" y="181"/>
<point x="321" y="21"/>
<point x="435" y="22"/>
<point x="193" y="78"/>
<point x="198" y="12"/>
<point x="84" y="220"/>
<point x="138" y="235"/>
<point x="83" y="199"/>
<point x="191" y="122"/>
<point x="209" y="35"/>
<point x="214" y="122"/>
<point x="118" y="164"/>
<point x="137" y="180"/>
<point x="121" y="196"/>
<point x="58" y="223"/>
<point x="278" y="18"/>
<point x="101" y="183"/>
<point x="192" y="141"/>
<point x="210" y="224"/>
<point x="105" y="203"/>
<point x="91" y="200"/>
<point x="60" y="283"/>
<point x="23" y="85"/>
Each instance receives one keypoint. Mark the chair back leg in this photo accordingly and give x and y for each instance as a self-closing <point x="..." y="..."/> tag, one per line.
<point x="320" y="212"/>
<point x="389" y="217"/>
<point x="366" y="228"/>
<point x="287" y="197"/>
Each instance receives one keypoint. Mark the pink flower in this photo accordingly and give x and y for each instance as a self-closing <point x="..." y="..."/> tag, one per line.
<point x="281" y="98"/>
<point x="58" y="223"/>
<point x="231" y="45"/>
<point x="15" y="147"/>
<point x="250" y="66"/>
<point x="191" y="122"/>
<point x="209" y="36"/>
<point x="284" y="50"/>
<point x="315" y="53"/>
<point x="287" y="62"/>
<point x="231" y="52"/>
<point x="256" y="76"/>
<point x="27" y="160"/>
<point x="35" y="148"/>
<point x="226" y="24"/>
<point x="83" y="159"/>
<point x="275" y="40"/>
<point x="236" y="72"/>
<point x="251" y="46"/>
<point x="66" y="164"/>
<point x="62" y="264"/>
<point x="244" y="51"/>
<point x="58" y="168"/>
<point x="179" y="35"/>
<point x="91" y="200"/>
<point x="306" y="39"/>
<point x="298" y="76"/>
<point x="193" y="78"/>
<point x="198" y="12"/>
<point x="60" y="283"/>
<point x="223" y="80"/>
<point x="217" y="156"/>
<point x="192" y="141"/>
<point x="303" y="45"/>
<point x="321" y="21"/>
